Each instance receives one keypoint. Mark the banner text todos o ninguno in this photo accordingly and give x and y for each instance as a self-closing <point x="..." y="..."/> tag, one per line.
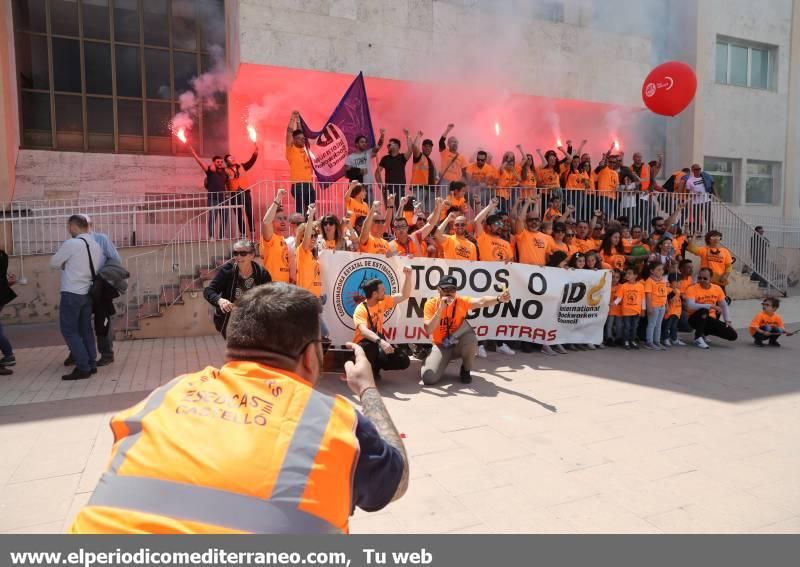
<point x="548" y="305"/>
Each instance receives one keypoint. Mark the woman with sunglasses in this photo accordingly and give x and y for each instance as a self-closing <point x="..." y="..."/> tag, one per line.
<point x="331" y="236"/>
<point x="234" y="278"/>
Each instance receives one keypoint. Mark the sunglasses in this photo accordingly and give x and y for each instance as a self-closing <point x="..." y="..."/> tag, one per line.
<point x="570" y="234"/>
<point x="379" y="222"/>
<point x="557" y="230"/>
<point x="703" y="279"/>
<point x="297" y="223"/>
<point x="242" y="252"/>
<point x="328" y="222"/>
<point x="447" y="289"/>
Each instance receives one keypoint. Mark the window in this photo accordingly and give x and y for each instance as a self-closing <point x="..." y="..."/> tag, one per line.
<point x="722" y="170"/>
<point x="745" y="64"/>
<point x="106" y="75"/>
<point x="760" y="188"/>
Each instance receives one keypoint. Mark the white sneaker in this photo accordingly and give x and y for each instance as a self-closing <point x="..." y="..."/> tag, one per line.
<point x="700" y="342"/>
<point x="666" y="343"/>
<point x="589" y="346"/>
<point x="548" y="350"/>
<point x="505" y="349"/>
<point x="679" y="343"/>
<point x="560" y="349"/>
<point x="482" y="352"/>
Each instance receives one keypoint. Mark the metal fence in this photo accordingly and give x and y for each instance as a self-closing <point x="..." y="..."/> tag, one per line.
<point x="192" y="233"/>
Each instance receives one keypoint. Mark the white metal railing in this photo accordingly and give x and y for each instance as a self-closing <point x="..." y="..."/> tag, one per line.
<point x="39" y="227"/>
<point x="781" y="232"/>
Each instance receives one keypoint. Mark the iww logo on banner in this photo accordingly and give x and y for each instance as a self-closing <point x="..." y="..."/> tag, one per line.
<point x="548" y="305"/>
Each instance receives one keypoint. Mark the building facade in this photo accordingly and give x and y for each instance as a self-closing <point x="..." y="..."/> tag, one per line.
<point x="88" y="87"/>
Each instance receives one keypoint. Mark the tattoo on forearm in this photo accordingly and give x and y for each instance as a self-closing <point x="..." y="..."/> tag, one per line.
<point x="373" y="408"/>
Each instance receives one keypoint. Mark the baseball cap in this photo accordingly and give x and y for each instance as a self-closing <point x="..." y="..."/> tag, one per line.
<point x="447" y="281"/>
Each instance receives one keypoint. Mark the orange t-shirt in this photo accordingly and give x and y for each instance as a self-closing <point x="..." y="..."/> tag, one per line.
<point x="357" y="209"/>
<point x="762" y="319"/>
<point x="506" y="180"/>
<point x="532" y="247"/>
<point x="607" y="182"/>
<point x="553" y="246"/>
<point x="410" y="248"/>
<point x="453" y="201"/>
<point x="487" y="174"/>
<point x="718" y="260"/>
<point x="685" y="284"/>
<point x="616" y="261"/>
<point x="299" y="165"/>
<point x="578" y="180"/>
<point x="632" y="295"/>
<point x="453" y="172"/>
<point x="548" y="178"/>
<point x="275" y="257"/>
<point x="675" y="305"/>
<point x="551" y="214"/>
<point x="309" y="276"/>
<point x="583" y="245"/>
<point x="494" y="249"/>
<point x="372" y="318"/>
<point x="614" y="310"/>
<point x="375" y="245"/>
<point x="657" y="291"/>
<point x="711" y="296"/>
<point x="455" y="248"/>
<point x="450" y="320"/>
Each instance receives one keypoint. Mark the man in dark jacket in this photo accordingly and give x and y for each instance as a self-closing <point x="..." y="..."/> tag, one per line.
<point x="233" y="279"/>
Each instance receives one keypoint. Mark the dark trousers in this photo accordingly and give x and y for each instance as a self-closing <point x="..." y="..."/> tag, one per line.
<point x="214" y="213"/>
<point x="669" y="328"/>
<point x="704" y="325"/>
<point x="379" y="360"/>
<point x="75" y="319"/>
<point x="103" y="332"/>
<point x="303" y="195"/>
<point x="761" y="337"/>
<point x="244" y="212"/>
<point x="629" y="325"/>
<point x="5" y="344"/>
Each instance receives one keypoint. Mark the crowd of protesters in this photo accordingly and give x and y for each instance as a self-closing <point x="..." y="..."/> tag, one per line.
<point x="517" y="212"/>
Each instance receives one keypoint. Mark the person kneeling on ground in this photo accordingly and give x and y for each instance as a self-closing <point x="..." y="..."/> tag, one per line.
<point x="705" y="301"/>
<point x="767" y="324"/>
<point x="368" y="318"/>
<point x="452" y="337"/>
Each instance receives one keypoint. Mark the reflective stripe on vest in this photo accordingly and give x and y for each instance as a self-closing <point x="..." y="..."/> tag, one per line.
<point x="278" y="514"/>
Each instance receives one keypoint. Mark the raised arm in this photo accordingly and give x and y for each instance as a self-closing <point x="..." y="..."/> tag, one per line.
<point x="440" y="234"/>
<point x="443" y="137"/>
<point x="308" y="242"/>
<point x="431" y="222"/>
<point x="252" y="161"/>
<point x="294" y="119"/>
<point x="488" y="300"/>
<point x="204" y="166"/>
<point x="405" y="291"/>
<point x="266" y="223"/>
<point x="409" y="144"/>
<point x="481" y="216"/>
<point x="593" y="221"/>
<point x="402" y="207"/>
<point x="541" y="156"/>
<point x="673" y="218"/>
<point x="379" y="145"/>
<point x="580" y="148"/>
<point x="522" y="214"/>
<point x="366" y="228"/>
<point x="350" y="187"/>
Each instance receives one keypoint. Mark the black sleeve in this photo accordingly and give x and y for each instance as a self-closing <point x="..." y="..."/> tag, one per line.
<point x="442" y="144"/>
<point x="383" y="162"/>
<point x="403" y="157"/>
<point x="265" y="277"/>
<point x="249" y="163"/>
<point x="213" y="291"/>
<point x="378" y="470"/>
<point x="599" y="168"/>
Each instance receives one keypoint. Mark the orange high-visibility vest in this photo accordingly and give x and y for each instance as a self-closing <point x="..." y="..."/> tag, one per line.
<point x="242" y="449"/>
<point x="420" y="171"/>
<point x="644" y="176"/>
<point x="237" y="178"/>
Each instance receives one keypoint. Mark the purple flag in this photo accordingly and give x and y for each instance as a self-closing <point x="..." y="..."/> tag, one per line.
<point x="328" y="148"/>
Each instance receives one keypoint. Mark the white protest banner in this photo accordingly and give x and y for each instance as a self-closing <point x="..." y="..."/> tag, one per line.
<point x="548" y="305"/>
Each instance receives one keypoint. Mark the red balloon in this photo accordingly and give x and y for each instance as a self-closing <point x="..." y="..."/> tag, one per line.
<point x="669" y="88"/>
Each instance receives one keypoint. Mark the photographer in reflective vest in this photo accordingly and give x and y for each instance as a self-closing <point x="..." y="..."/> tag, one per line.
<point x="252" y="447"/>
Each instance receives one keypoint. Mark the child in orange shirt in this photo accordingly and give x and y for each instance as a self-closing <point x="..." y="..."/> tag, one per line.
<point x="656" y="291"/>
<point x="768" y="325"/>
<point x="669" y="328"/>
<point x="613" y="328"/>
<point x="630" y="296"/>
